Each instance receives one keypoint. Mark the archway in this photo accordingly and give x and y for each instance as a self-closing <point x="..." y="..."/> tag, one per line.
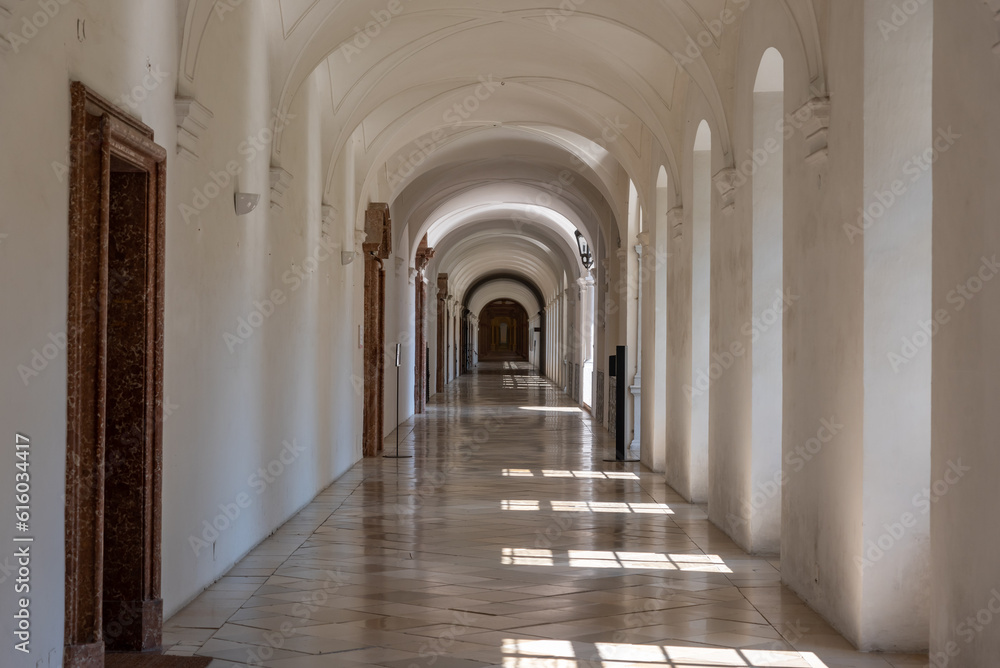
<point x="768" y="300"/>
<point x="503" y="331"/>
<point x="701" y="309"/>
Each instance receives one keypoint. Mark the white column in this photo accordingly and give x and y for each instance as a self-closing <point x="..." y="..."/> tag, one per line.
<point x="636" y="387"/>
<point x="964" y="581"/>
<point x="587" y="363"/>
<point x="855" y="533"/>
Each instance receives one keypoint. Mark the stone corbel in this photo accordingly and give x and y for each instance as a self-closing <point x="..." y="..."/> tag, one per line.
<point x="996" y="18"/>
<point x="413" y="275"/>
<point x="378" y="225"/>
<point x="424" y="257"/>
<point x="644" y="243"/>
<point x="816" y="128"/>
<point x="329" y="221"/>
<point x="280" y="180"/>
<point x="725" y="185"/>
<point x="5" y="13"/>
<point x="675" y="221"/>
<point x="193" y="119"/>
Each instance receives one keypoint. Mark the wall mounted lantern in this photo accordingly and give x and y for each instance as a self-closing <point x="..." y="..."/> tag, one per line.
<point x="586" y="256"/>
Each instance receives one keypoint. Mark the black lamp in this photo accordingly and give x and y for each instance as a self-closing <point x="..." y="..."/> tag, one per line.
<point x="586" y="256"/>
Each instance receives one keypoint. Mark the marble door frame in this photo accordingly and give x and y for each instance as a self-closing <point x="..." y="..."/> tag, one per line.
<point x="103" y="136"/>
<point x="377" y="248"/>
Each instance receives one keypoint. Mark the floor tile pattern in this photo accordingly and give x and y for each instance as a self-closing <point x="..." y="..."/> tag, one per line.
<point x="506" y="541"/>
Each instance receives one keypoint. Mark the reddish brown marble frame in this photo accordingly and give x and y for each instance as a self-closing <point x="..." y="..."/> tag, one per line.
<point x="115" y="383"/>
<point x="442" y="330"/>
<point x="377" y="247"/>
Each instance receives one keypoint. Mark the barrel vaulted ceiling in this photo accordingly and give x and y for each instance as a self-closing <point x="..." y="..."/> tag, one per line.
<point x="494" y="125"/>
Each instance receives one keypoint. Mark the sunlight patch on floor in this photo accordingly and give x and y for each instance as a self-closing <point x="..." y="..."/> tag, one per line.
<point x="565" y="654"/>
<point x="700" y="563"/>
<point x="606" y="475"/>
<point x="589" y="506"/>
<point x="552" y="409"/>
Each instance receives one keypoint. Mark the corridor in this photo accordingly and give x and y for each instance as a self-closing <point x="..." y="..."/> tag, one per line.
<point x="506" y="541"/>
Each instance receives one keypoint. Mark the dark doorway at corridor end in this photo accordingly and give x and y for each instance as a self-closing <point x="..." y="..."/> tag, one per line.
<point x="503" y="331"/>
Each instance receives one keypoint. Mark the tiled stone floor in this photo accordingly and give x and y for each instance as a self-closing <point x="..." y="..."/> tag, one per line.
<point x="508" y="542"/>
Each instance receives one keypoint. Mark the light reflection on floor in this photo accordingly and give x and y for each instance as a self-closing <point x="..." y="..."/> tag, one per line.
<point x="398" y="563"/>
<point x="588" y="506"/>
<point x="524" y="653"/>
<point x="607" y="475"/>
<point x="699" y="563"/>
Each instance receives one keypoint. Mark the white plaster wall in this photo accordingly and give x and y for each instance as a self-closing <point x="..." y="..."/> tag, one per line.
<point x="749" y="431"/>
<point x="725" y="363"/>
<point x="765" y="325"/>
<point x="286" y="383"/>
<point x="654" y="335"/>
<point x="822" y="503"/>
<point x="122" y="37"/>
<point x="701" y="309"/>
<point x="400" y="327"/>
<point x="228" y="414"/>
<point x="965" y="527"/>
<point x="897" y="299"/>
